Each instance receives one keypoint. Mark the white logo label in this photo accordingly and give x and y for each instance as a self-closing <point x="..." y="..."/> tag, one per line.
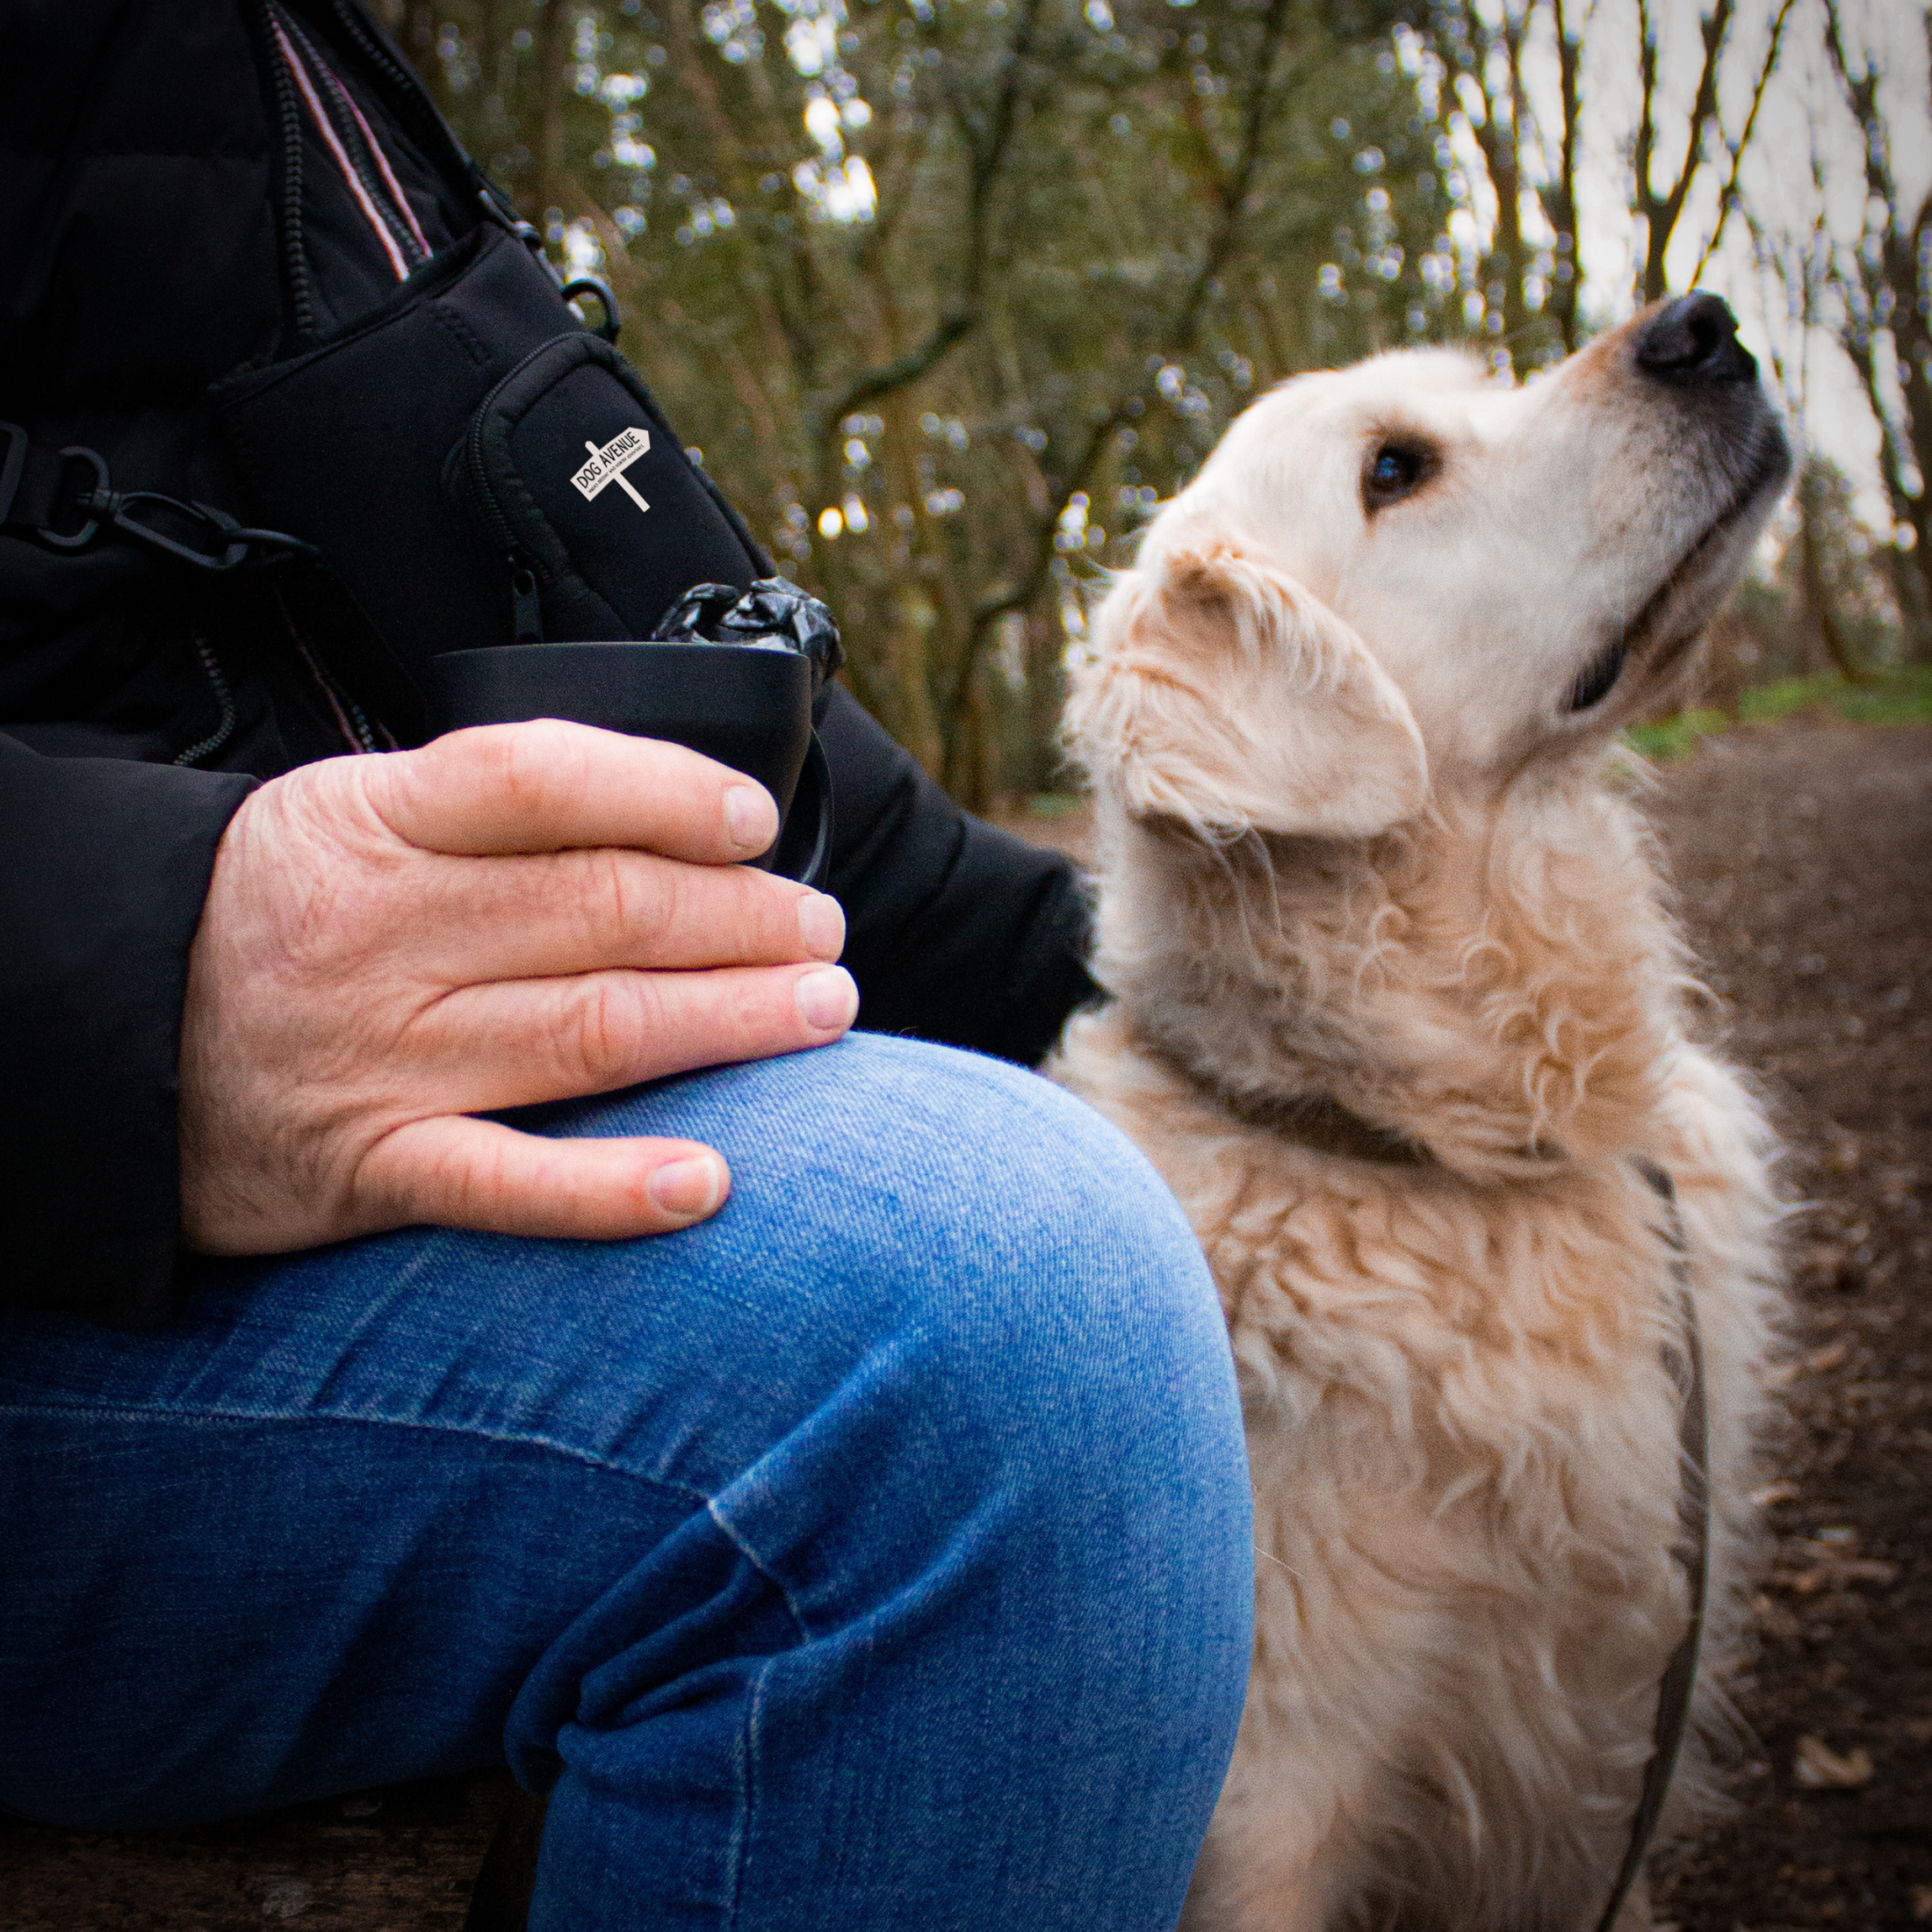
<point x="608" y="465"/>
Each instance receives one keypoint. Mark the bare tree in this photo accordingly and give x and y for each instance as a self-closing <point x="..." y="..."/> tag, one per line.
<point x="1798" y="268"/>
<point x="1233" y="184"/>
<point x="1489" y="56"/>
<point x="1886" y="285"/>
<point x="1560" y="196"/>
<point x="1735" y="150"/>
<point x="1660" y="207"/>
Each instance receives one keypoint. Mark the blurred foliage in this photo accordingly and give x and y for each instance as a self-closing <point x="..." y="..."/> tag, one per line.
<point x="1665" y="738"/>
<point x="949" y="294"/>
<point x="1902" y="696"/>
<point x="1826" y="600"/>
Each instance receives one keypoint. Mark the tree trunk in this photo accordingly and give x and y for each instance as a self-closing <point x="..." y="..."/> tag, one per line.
<point x="1913" y="595"/>
<point x="555" y="20"/>
<point x="1566" y="270"/>
<point x="1818" y="595"/>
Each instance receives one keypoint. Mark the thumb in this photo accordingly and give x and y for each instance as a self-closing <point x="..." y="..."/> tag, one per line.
<point x="455" y="1172"/>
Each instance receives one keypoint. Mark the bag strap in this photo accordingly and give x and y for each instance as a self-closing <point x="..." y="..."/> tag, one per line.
<point x="65" y="501"/>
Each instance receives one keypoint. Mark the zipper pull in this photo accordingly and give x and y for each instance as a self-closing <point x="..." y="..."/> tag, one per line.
<point x="526" y="608"/>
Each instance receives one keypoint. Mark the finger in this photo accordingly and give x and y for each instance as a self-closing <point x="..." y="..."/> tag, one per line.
<point x="548" y="786"/>
<point x="536" y="914"/>
<point x="518" y="1042"/>
<point x="457" y="1172"/>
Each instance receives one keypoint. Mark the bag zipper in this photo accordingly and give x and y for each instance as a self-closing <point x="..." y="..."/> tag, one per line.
<point x="527" y="575"/>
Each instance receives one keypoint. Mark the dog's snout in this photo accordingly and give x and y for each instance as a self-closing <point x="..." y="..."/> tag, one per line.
<point x="1693" y="340"/>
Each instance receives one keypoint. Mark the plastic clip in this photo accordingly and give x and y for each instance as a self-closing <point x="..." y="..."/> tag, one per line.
<point x="233" y="543"/>
<point x="85" y="501"/>
<point x="497" y="209"/>
<point x="600" y="291"/>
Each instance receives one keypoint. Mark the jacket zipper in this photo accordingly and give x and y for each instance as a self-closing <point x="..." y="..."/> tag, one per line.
<point x="406" y="83"/>
<point x="288" y="110"/>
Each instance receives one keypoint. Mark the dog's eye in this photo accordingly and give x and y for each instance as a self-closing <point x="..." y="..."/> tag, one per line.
<point x="1394" y="471"/>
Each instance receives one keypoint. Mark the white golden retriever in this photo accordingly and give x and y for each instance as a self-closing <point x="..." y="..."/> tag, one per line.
<point x="1399" y="1010"/>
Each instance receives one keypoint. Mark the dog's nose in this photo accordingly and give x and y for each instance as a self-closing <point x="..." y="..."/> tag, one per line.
<point x="1694" y="340"/>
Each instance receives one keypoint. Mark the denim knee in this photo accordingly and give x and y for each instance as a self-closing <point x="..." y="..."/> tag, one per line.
<point x="942" y="1265"/>
<point x="971" y="1427"/>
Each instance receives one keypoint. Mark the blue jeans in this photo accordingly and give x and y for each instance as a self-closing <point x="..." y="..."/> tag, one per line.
<point x="876" y="1554"/>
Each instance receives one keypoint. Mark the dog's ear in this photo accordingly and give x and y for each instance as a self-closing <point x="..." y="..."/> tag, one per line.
<point x="1226" y="695"/>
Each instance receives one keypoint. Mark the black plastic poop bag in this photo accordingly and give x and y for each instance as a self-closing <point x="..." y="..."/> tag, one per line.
<point x="774" y="615"/>
<point x="731" y="673"/>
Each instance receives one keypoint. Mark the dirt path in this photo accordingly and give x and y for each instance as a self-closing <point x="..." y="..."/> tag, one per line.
<point x="1803" y="853"/>
<point x="1805" y="856"/>
<point x="1805" y="859"/>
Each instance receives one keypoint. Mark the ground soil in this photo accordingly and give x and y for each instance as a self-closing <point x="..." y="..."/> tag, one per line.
<point x="1804" y="856"/>
<point x="1803" y="853"/>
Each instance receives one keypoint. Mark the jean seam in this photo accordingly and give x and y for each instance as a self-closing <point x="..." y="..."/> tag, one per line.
<point x="747" y="1787"/>
<point x="519" y="1438"/>
<point x="743" y="1545"/>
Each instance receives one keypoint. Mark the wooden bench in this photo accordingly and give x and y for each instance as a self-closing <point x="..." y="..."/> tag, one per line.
<point x="446" y="1855"/>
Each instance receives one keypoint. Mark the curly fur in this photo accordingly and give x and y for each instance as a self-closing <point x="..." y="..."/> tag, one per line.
<point x="1463" y="1435"/>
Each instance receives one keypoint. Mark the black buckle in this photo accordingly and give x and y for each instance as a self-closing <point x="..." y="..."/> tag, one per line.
<point x="213" y="541"/>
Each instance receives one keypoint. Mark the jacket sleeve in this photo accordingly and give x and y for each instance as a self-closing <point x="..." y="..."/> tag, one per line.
<point x="956" y="930"/>
<point x="105" y="867"/>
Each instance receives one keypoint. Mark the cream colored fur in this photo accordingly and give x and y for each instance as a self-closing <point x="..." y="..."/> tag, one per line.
<point x="1354" y="844"/>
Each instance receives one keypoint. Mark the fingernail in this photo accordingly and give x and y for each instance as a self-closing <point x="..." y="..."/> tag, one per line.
<point x="822" y="925"/>
<point x="827" y="998"/>
<point x="751" y="817"/>
<point x="688" y="1188"/>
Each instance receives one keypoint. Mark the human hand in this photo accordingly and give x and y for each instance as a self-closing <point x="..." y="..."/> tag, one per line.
<point x="512" y="914"/>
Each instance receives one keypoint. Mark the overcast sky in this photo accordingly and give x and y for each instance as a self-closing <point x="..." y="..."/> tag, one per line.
<point x="1803" y="125"/>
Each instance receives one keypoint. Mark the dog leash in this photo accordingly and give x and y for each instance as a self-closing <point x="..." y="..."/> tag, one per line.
<point x="1693" y="1552"/>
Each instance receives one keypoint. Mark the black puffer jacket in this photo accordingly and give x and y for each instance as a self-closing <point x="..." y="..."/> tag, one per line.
<point x="194" y="195"/>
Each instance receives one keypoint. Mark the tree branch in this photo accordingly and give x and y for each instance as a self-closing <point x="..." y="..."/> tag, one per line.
<point x="1728" y="193"/>
<point x="988" y="144"/>
<point x="1660" y="213"/>
<point x="1263" y="102"/>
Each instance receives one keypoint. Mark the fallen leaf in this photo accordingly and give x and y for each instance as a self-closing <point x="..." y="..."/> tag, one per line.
<point x="1821" y="1257"/>
<point x="1774" y="1492"/>
<point x="1868" y="1569"/>
<point x="1830" y="1568"/>
<point x="1818" y="1768"/>
<point x="1828" y="1356"/>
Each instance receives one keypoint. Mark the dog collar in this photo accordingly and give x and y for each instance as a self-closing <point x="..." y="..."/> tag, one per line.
<point x="1316" y="1122"/>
